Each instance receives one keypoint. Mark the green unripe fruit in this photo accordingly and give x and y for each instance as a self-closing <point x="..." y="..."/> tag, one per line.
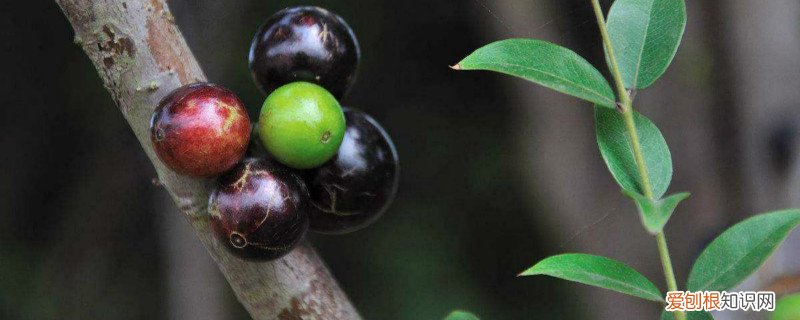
<point x="301" y="125"/>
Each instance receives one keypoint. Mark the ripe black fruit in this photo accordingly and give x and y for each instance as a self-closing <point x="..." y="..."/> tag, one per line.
<point x="358" y="184"/>
<point x="305" y="44"/>
<point x="259" y="210"/>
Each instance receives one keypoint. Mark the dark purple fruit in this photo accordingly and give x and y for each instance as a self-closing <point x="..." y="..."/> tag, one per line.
<point x="305" y="44"/>
<point x="354" y="188"/>
<point x="259" y="210"/>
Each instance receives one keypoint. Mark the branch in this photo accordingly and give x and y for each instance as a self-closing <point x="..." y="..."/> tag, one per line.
<point x="141" y="56"/>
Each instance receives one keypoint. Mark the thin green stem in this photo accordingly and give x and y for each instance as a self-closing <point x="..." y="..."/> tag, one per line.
<point x="626" y="105"/>
<point x="666" y="262"/>
<point x="638" y="156"/>
<point x="625" y="102"/>
<point x="601" y="22"/>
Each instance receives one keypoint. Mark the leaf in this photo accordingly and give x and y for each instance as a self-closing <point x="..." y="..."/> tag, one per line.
<point x="699" y="315"/>
<point x="597" y="271"/>
<point x="787" y="308"/>
<point x="645" y="35"/>
<point x="740" y="250"/>
<point x="656" y="213"/>
<point x="461" y="315"/>
<point x="691" y="315"/>
<point x="547" y="64"/>
<point x="614" y="143"/>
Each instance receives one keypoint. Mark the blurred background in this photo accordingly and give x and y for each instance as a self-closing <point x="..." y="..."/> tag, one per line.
<point x="496" y="172"/>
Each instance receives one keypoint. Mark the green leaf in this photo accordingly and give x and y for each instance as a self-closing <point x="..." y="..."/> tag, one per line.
<point x="461" y="315"/>
<point x="788" y="308"/>
<point x="597" y="271"/>
<point x="645" y="35"/>
<point x="656" y="213"/>
<point x="691" y="315"/>
<point x="614" y="143"/>
<point x="699" y="315"/>
<point x="547" y="64"/>
<point x="740" y="250"/>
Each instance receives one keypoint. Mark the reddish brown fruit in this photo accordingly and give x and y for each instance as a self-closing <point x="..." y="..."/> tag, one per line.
<point x="259" y="210"/>
<point x="200" y="130"/>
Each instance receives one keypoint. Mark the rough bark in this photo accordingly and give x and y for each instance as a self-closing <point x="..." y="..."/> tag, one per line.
<point x="141" y="56"/>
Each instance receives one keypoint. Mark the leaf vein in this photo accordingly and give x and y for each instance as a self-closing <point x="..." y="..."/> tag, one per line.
<point x="733" y="265"/>
<point x="594" y="93"/>
<point x="644" y="43"/>
<point x="615" y="281"/>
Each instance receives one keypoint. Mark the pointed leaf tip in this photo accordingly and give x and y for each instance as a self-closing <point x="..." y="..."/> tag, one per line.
<point x="599" y="272"/>
<point x="656" y="213"/>
<point x="546" y="64"/>
<point x="741" y="250"/>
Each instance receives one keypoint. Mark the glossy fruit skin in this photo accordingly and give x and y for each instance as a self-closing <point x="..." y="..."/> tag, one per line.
<point x="259" y="210"/>
<point x="305" y="44"/>
<point x="200" y="130"/>
<point x="301" y="125"/>
<point x="354" y="189"/>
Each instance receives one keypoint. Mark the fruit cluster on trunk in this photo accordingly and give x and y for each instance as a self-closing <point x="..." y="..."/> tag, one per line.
<point x="309" y="163"/>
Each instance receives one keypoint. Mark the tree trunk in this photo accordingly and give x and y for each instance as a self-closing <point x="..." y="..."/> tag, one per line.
<point x="141" y="56"/>
<point x="194" y="288"/>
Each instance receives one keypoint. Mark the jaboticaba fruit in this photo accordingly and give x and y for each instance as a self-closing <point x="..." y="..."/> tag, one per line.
<point x="259" y="210"/>
<point x="200" y="130"/>
<point x="301" y="125"/>
<point x="358" y="184"/>
<point x="305" y="44"/>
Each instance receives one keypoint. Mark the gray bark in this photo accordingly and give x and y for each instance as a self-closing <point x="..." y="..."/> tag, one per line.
<point x="194" y="287"/>
<point x="141" y="56"/>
